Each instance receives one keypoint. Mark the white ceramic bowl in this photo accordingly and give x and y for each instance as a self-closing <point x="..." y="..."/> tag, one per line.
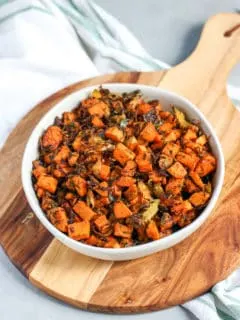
<point x="167" y="98"/>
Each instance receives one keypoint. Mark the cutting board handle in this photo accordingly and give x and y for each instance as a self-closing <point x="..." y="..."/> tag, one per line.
<point x="218" y="50"/>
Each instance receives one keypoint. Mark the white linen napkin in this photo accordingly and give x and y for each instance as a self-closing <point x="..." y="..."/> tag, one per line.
<point x="49" y="44"/>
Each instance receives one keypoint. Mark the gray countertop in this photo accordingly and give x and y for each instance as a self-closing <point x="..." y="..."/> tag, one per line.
<point x="169" y="30"/>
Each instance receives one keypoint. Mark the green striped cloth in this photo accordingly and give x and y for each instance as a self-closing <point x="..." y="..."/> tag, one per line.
<point x="46" y="45"/>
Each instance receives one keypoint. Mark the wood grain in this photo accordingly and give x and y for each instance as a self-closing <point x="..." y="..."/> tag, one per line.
<point x="169" y="277"/>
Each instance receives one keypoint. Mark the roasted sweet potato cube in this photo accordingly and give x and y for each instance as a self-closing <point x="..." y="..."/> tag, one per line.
<point x="89" y="102"/>
<point x="171" y="149"/>
<point x="102" y="223"/>
<point x="125" y="181"/>
<point x="99" y="109"/>
<point x="129" y="169"/>
<point x="159" y="138"/>
<point x="73" y="158"/>
<point x="79" y="230"/>
<point x="40" y="192"/>
<point x="97" y="122"/>
<point x="199" y="198"/>
<point x="196" y="179"/>
<point x="121" y="210"/>
<point x="111" y="243"/>
<point x="189" y="135"/>
<point x="181" y="208"/>
<point x="165" y="161"/>
<point x="190" y="187"/>
<point x="149" y="132"/>
<point x="84" y="211"/>
<point x="144" y="165"/>
<point x="188" y="160"/>
<point x="79" y="184"/>
<point x="102" y="189"/>
<point x="177" y="170"/>
<point x="52" y="138"/>
<point x="206" y="165"/>
<point x="78" y="144"/>
<point x="132" y="143"/>
<point x="47" y="183"/>
<point x="38" y="171"/>
<point x="202" y="140"/>
<point x="101" y="170"/>
<point x="93" y="241"/>
<point x="126" y="242"/>
<point x="166" y="127"/>
<point x="174" y="185"/>
<point x="152" y="231"/>
<point x="120" y="230"/>
<point x="68" y="117"/>
<point x="131" y="193"/>
<point x="114" y="134"/>
<point x="144" y="108"/>
<point x="62" y="154"/>
<point x="122" y="154"/>
<point x="58" y="217"/>
<point x="155" y="177"/>
<point x="173" y="135"/>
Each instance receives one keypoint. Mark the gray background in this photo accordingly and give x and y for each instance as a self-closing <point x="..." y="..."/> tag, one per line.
<point x="169" y="30"/>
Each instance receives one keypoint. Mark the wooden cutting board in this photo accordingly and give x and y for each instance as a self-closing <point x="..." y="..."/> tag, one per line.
<point x="169" y="277"/>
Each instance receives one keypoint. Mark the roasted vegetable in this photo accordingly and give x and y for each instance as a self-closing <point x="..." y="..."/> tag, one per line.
<point x="118" y="170"/>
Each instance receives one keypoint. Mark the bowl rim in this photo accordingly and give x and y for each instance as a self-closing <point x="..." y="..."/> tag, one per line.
<point x="65" y="239"/>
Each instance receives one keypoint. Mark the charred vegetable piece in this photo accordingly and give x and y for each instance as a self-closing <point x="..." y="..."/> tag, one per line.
<point x="151" y="211"/>
<point x="183" y="123"/>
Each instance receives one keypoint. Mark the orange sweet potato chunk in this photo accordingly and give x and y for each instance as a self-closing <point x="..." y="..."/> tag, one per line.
<point x="196" y="179"/>
<point x="199" y="198"/>
<point x="79" y="230"/>
<point x="174" y="185"/>
<point x="47" y="183"/>
<point x="171" y="149"/>
<point x="132" y="143"/>
<point x="144" y="108"/>
<point x="99" y="109"/>
<point x="181" y="208"/>
<point x="101" y="170"/>
<point x="97" y="122"/>
<point x="102" y="223"/>
<point x="188" y="160"/>
<point x="206" y="165"/>
<point x="120" y="230"/>
<point x="149" y="132"/>
<point x="58" y="217"/>
<point x="52" y="138"/>
<point x="62" y="154"/>
<point x="144" y="165"/>
<point x="152" y="231"/>
<point x="125" y="181"/>
<point x="114" y="134"/>
<point x="84" y="211"/>
<point x="121" y="210"/>
<point x="129" y="169"/>
<point x="177" y="170"/>
<point x="122" y="154"/>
